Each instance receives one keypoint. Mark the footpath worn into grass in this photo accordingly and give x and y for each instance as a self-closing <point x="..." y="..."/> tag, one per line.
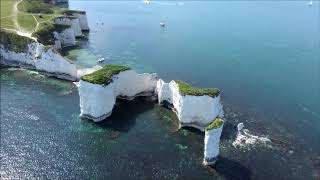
<point x="26" y="17"/>
<point x="7" y="15"/>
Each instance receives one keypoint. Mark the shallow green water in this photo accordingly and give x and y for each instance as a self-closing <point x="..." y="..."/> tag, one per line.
<point x="264" y="56"/>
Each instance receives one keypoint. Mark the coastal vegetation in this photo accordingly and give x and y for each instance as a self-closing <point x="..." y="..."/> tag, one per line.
<point x="104" y="76"/>
<point x="34" y="18"/>
<point x="218" y="122"/>
<point x="71" y="12"/>
<point x="6" y="13"/>
<point x="13" y="41"/>
<point x="186" y="89"/>
<point x="44" y="34"/>
<point x="36" y="6"/>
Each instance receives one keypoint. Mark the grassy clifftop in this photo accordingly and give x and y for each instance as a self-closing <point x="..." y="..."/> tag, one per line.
<point x="44" y="33"/>
<point x="215" y="124"/>
<point x="186" y="89"/>
<point x="104" y="75"/>
<point x="33" y="18"/>
<point x="14" y="42"/>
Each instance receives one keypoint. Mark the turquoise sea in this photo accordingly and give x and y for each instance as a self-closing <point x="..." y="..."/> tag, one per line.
<point x="263" y="55"/>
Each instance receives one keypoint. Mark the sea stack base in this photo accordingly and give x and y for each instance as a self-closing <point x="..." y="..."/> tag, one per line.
<point x="209" y="161"/>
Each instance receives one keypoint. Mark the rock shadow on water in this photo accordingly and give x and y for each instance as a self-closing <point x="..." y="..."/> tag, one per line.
<point x="229" y="131"/>
<point x="193" y="130"/>
<point x="124" y="114"/>
<point x="231" y="169"/>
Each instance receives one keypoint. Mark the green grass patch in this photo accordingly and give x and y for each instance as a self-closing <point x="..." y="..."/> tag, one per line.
<point x="44" y="34"/>
<point x="6" y="8"/>
<point x="186" y="89"/>
<point x="36" y="6"/>
<point x="14" y="42"/>
<point x="104" y="75"/>
<point x="44" y="18"/>
<point x="215" y="124"/>
<point x="26" y="21"/>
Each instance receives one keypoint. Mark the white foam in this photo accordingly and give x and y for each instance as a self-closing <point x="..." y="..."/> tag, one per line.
<point x="247" y="140"/>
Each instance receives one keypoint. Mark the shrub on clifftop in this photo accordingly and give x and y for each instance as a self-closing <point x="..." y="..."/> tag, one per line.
<point x="215" y="124"/>
<point x="104" y="76"/>
<point x="186" y="89"/>
<point x="44" y="34"/>
<point x="14" y="42"/>
<point x="36" y="6"/>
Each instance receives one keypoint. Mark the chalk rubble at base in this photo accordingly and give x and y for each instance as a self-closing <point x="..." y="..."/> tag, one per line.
<point x="193" y="111"/>
<point x="97" y="100"/>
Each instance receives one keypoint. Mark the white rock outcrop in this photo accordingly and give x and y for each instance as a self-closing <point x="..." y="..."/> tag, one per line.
<point x="193" y="111"/>
<point x="83" y="20"/>
<point x="73" y="22"/>
<point x="211" y="145"/>
<point x="97" y="101"/>
<point x="57" y="40"/>
<point x="67" y="37"/>
<point x="41" y="58"/>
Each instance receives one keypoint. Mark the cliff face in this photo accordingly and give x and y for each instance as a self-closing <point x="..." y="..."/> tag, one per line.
<point x="67" y="37"/>
<point x="82" y="20"/>
<point x="73" y="22"/>
<point x="194" y="111"/>
<point x="39" y="57"/>
<point x="97" y="100"/>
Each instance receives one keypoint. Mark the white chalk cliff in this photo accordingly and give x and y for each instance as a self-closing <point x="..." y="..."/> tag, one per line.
<point x="73" y="22"/>
<point x="82" y="20"/>
<point x="39" y="57"/>
<point x="67" y="37"/>
<point x="193" y="111"/>
<point x="211" y="145"/>
<point x="97" y="100"/>
<point x="199" y="111"/>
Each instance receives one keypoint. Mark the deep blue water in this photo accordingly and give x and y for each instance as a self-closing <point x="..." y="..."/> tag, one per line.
<point x="263" y="56"/>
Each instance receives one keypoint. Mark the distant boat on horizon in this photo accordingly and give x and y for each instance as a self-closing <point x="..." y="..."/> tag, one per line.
<point x="310" y="3"/>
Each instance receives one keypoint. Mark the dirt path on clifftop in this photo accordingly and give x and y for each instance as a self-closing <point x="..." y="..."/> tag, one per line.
<point x="18" y="29"/>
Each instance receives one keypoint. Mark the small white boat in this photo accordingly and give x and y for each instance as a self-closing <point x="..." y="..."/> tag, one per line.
<point x="100" y="60"/>
<point x="162" y="24"/>
<point x="310" y="3"/>
<point x="147" y="1"/>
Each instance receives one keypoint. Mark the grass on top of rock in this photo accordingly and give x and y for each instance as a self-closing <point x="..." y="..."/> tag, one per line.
<point x="104" y="76"/>
<point x="218" y="122"/>
<point x="186" y="89"/>
<point x="14" y="42"/>
<point x="71" y="12"/>
<point x="44" y="34"/>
